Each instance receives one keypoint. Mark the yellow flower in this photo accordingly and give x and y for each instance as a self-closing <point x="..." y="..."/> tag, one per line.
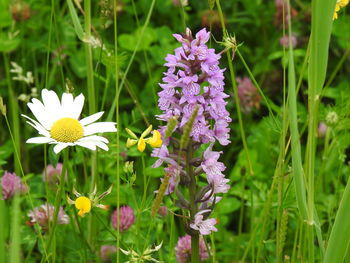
<point x="84" y="204"/>
<point x="338" y="5"/>
<point x="155" y="141"/>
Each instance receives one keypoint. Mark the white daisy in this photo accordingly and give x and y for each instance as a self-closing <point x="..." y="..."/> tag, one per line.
<point x="58" y="122"/>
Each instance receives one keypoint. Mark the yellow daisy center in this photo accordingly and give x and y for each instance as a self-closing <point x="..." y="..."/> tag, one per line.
<point x="83" y="204"/>
<point x="67" y="130"/>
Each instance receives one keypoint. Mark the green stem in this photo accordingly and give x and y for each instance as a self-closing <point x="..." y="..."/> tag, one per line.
<point x="58" y="199"/>
<point x="117" y="92"/>
<point x="193" y="204"/>
<point x="139" y="40"/>
<point x="88" y="54"/>
<point x="235" y="91"/>
<point x="13" y="114"/>
<point x="22" y="173"/>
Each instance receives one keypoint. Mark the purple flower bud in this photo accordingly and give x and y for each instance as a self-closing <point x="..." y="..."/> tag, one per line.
<point x="248" y="94"/>
<point x="11" y="184"/>
<point x="322" y="129"/>
<point x="44" y="214"/>
<point x="163" y="211"/>
<point x="183" y="249"/>
<point x="106" y="252"/>
<point x="284" y="41"/>
<point x="127" y="218"/>
<point x="53" y="174"/>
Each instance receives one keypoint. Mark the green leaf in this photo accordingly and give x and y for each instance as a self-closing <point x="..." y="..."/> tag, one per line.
<point x="8" y="45"/>
<point x="77" y="26"/>
<point x="5" y="15"/>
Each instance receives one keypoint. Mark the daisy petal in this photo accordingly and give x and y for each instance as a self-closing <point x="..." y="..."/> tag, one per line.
<point x="39" y="140"/>
<point x="99" y="127"/>
<point x="51" y="101"/>
<point x="94" y="138"/>
<point x="100" y="144"/>
<point x="89" y="144"/>
<point x="78" y="106"/>
<point x="91" y="119"/>
<point x="36" y="125"/>
<point x="67" y="105"/>
<point x="39" y="111"/>
<point x="59" y="147"/>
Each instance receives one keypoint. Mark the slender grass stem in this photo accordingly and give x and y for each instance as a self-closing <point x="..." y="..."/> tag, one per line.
<point x="13" y="114"/>
<point x="139" y="40"/>
<point x="235" y="91"/>
<point x="117" y="92"/>
<point x="58" y="200"/>
<point x="22" y="174"/>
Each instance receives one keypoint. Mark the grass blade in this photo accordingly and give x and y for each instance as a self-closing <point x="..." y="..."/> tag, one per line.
<point x="340" y="236"/>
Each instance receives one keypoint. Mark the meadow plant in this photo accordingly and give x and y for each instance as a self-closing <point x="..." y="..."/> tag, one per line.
<point x="44" y="215"/>
<point x="183" y="249"/>
<point x="284" y="41"/>
<point x="340" y="4"/>
<point x="124" y="218"/>
<point x="192" y="102"/>
<point x="52" y="174"/>
<point x="12" y="184"/>
<point x="289" y="159"/>
<point x="85" y="203"/>
<point x="58" y="123"/>
<point x="106" y="252"/>
<point x="248" y="94"/>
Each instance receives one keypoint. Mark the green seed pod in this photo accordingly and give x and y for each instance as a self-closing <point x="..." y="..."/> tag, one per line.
<point x="283" y="231"/>
<point x="159" y="197"/>
<point x="188" y="128"/>
<point x="172" y="122"/>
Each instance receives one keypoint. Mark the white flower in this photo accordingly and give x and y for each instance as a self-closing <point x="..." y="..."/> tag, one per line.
<point x="205" y="227"/>
<point x="58" y="122"/>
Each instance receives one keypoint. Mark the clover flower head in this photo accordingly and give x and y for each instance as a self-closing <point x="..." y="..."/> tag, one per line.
<point x="248" y="94"/>
<point x="183" y="249"/>
<point x="58" y="122"/>
<point x="125" y="219"/>
<point x="106" y="252"/>
<point x="53" y="174"/>
<point x="155" y="141"/>
<point x="284" y="41"/>
<point x="43" y="215"/>
<point x="205" y="227"/>
<point x="85" y="203"/>
<point x="11" y="184"/>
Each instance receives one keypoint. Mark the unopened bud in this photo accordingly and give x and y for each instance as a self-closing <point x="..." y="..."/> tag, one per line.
<point x="2" y="107"/>
<point x="332" y="118"/>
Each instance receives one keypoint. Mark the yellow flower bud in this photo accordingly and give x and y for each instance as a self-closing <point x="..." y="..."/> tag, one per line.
<point x="141" y="145"/>
<point x="130" y="142"/>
